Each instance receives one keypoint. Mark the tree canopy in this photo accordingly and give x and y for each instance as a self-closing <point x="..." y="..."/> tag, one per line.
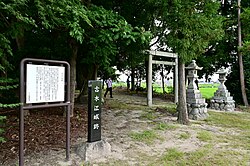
<point x="79" y="32"/>
<point x="95" y="36"/>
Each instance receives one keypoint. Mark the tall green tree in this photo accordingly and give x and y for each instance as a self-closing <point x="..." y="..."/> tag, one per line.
<point x="69" y="17"/>
<point x="244" y="50"/>
<point x="65" y="30"/>
<point x="61" y="16"/>
<point x="221" y="52"/>
<point x="241" y="67"/>
<point x="138" y="13"/>
<point x="224" y="52"/>
<point x="191" y="25"/>
<point x="103" y="49"/>
<point x="11" y="21"/>
<point x="245" y="17"/>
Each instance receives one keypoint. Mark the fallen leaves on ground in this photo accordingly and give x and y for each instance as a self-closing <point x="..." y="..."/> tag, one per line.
<point x="44" y="129"/>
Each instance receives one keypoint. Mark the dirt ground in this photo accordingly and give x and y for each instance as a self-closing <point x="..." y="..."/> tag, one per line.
<point x="45" y="134"/>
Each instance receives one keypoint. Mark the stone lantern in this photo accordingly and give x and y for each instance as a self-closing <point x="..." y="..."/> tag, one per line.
<point x="222" y="99"/>
<point x="196" y="105"/>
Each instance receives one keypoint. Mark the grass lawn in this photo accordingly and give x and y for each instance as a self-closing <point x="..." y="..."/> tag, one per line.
<point x="207" y="90"/>
<point x="208" y="93"/>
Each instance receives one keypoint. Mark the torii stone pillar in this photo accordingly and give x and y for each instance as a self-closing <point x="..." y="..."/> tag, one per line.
<point x="196" y="105"/>
<point x="151" y="61"/>
<point x="149" y="97"/>
<point x="222" y="99"/>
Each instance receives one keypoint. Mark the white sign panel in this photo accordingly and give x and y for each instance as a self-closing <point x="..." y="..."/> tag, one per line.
<point x="44" y="83"/>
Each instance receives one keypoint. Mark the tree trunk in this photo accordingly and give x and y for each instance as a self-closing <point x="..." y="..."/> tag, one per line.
<point x="20" y="38"/>
<point x="95" y="71"/>
<point x="242" y="77"/>
<point x="89" y="73"/>
<point x="242" y="81"/>
<point x="20" y="44"/>
<point x="182" y="104"/>
<point x="132" y="79"/>
<point x="162" y="79"/>
<point x="74" y="47"/>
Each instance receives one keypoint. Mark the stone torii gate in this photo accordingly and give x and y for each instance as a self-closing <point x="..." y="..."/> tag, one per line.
<point x="151" y="61"/>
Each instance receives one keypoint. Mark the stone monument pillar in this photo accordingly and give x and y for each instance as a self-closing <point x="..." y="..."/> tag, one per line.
<point x="196" y="105"/>
<point x="222" y="99"/>
<point x="95" y="147"/>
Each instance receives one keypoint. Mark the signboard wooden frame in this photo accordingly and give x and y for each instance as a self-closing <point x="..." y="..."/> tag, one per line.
<point x="45" y="73"/>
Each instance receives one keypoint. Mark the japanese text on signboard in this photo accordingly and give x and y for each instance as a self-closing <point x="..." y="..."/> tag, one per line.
<point x="45" y="83"/>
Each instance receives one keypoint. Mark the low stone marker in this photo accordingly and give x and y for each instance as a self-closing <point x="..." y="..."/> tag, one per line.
<point x="89" y="151"/>
<point x="95" y="147"/>
<point x="222" y="99"/>
<point x="196" y="105"/>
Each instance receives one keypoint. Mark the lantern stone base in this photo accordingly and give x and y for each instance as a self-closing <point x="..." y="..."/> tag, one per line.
<point x="90" y="151"/>
<point x="223" y="105"/>
<point x="196" y="105"/>
<point x="222" y="100"/>
<point x="197" y="111"/>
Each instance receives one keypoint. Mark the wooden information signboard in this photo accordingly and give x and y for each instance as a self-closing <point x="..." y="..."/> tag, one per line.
<point x="43" y="83"/>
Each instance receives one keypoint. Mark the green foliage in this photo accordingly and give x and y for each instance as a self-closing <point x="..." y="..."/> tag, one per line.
<point x="68" y="15"/>
<point x="46" y="29"/>
<point x="109" y="28"/>
<point x="8" y="96"/>
<point x="245" y="19"/>
<point x="2" y="118"/>
<point x="140" y="15"/>
<point x="229" y="48"/>
<point x="233" y="79"/>
<point x="5" y="51"/>
<point x="193" y="25"/>
<point x="222" y="52"/>
<point x="13" y="21"/>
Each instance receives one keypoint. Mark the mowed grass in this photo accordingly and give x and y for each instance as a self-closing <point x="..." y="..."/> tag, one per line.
<point x="208" y="93"/>
<point x="207" y="90"/>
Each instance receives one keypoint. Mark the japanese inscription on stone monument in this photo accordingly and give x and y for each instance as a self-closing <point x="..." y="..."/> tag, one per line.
<point x="94" y="111"/>
<point x="45" y="83"/>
